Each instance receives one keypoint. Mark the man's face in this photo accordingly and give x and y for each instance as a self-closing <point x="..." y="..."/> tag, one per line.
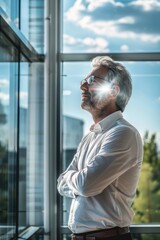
<point x="95" y="93"/>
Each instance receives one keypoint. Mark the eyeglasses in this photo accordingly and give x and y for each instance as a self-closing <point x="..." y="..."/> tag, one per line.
<point x="90" y="80"/>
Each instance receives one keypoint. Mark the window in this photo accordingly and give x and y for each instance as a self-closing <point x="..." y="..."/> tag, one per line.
<point x="21" y="119"/>
<point x="117" y="29"/>
<point x="8" y="146"/>
<point x="145" y="118"/>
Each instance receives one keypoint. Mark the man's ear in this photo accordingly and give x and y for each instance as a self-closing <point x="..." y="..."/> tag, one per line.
<point x="115" y="91"/>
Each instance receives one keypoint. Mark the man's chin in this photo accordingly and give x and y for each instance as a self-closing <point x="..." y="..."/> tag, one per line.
<point x="85" y="106"/>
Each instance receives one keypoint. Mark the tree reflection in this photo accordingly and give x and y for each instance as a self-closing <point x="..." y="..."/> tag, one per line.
<point x="147" y="204"/>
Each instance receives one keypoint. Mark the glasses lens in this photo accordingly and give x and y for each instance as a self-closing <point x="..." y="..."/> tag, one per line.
<point x="90" y="80"/>
<point x="83" y="81"/>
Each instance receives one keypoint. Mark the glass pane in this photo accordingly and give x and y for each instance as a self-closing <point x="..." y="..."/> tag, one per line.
<point x="111" y="26"/>
<point x="143" y="112"/>
<point x="32" y="17"/>
<point x="31" y="159"/>
<point x="8" y="149"/>
<point x="35" y="146"/>
<point x="11" y="8"/>
<point x="23" y="144"/>
<point x="32" y="23"/>
<point x="21" y="125"/>
<point x="36" y="24"/>
<point x="146" y="236"/>
<point x="25" y="18"/>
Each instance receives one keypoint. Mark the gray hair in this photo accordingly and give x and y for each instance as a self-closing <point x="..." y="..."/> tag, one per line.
<point x="119" y="74"/>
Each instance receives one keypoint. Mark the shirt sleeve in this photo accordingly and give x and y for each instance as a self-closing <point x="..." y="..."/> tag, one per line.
<point x="63" y="188"/>
<point x="117" y="154"/>
<point x="62" y="185"/>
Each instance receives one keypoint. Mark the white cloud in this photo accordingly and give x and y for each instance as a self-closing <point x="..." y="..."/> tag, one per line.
<point x="96" y="44"/>
<point x="147" y="5"/>
<point x="24" y="99"/>
<point x="124" y="48"/>
<point x="126" y="20"/>
<point x="150" y="37"/>
<point x="66" y="92"/>
<point x="111" y="29"/>
<point x="69" y="39"/>
<point x="94" y="4"/>
<point x="84" y="21"/>
<point x="4" y="97"/>
<point x="23" y="95"/>
<point x="4" y="82"/>
<point x="98" y="27"/>
<point x="16" y="21"/>
<point x="74" y="13"/>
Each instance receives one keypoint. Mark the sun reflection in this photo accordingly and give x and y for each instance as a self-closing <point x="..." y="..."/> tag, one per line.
<point x="104" y="88"/>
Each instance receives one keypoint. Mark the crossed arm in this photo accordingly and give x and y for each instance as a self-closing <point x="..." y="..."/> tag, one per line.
<point x="113" y="159"/>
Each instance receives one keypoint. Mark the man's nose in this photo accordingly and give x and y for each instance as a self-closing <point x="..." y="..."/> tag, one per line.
<point x="84" y="86"/>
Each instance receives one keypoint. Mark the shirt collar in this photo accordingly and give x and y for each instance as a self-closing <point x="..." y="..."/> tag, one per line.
<point x="106" y="123"/>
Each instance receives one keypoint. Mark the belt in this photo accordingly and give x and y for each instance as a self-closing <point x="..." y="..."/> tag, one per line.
<point x="102" y="234"/>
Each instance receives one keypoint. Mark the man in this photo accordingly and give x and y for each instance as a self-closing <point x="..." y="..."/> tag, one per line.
<point x="103" y="175"/>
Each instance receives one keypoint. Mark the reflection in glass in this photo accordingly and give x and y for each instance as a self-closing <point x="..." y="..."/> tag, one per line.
<point x="72" y="134"/>
<point x="8" y="148"/>
<point x="21" y="125"/>
<point x="35" y="153"/>
<point x="11" y="8"/>
<point x="23" y="143"/>
<point x="146" y="236"/>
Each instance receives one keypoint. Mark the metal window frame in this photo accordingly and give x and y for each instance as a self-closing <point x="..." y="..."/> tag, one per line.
<point x="18" y="40"/>
<point x="54" y="59"/>
<point x="77" y="57"/>
<point x="25" y="52"/>
<point x="85" y="57"/>
<point x="136" y="57"/>
<point x="52" y="121"/>
<point x="134" y="228"/>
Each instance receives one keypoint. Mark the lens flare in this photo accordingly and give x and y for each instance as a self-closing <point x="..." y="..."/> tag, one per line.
<point x="104" y="88"/>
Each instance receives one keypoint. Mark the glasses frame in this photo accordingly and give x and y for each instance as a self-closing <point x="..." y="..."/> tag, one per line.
<point x="90" y="80"/>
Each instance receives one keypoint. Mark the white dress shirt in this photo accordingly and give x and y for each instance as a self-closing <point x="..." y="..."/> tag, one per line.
<point x="103" y="176"/>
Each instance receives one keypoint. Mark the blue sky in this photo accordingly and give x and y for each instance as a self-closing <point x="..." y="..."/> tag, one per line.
<point x="111" y="26"/>
<point x="115" y="26"/>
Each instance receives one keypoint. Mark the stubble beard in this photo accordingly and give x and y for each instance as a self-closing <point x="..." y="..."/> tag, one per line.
<point x="96" y="106"/>
<point x="86" y="105"/>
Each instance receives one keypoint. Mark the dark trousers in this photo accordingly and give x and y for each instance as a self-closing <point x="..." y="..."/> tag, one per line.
<point x="115" y="233"/>
<point x="126" y="236"/>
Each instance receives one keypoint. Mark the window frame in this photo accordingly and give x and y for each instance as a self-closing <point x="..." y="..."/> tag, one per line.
<point x="63" y="57"/>
<point x="80" y="57"/>
<point x="53" y="115"/>
<point x="23" y="51"/>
